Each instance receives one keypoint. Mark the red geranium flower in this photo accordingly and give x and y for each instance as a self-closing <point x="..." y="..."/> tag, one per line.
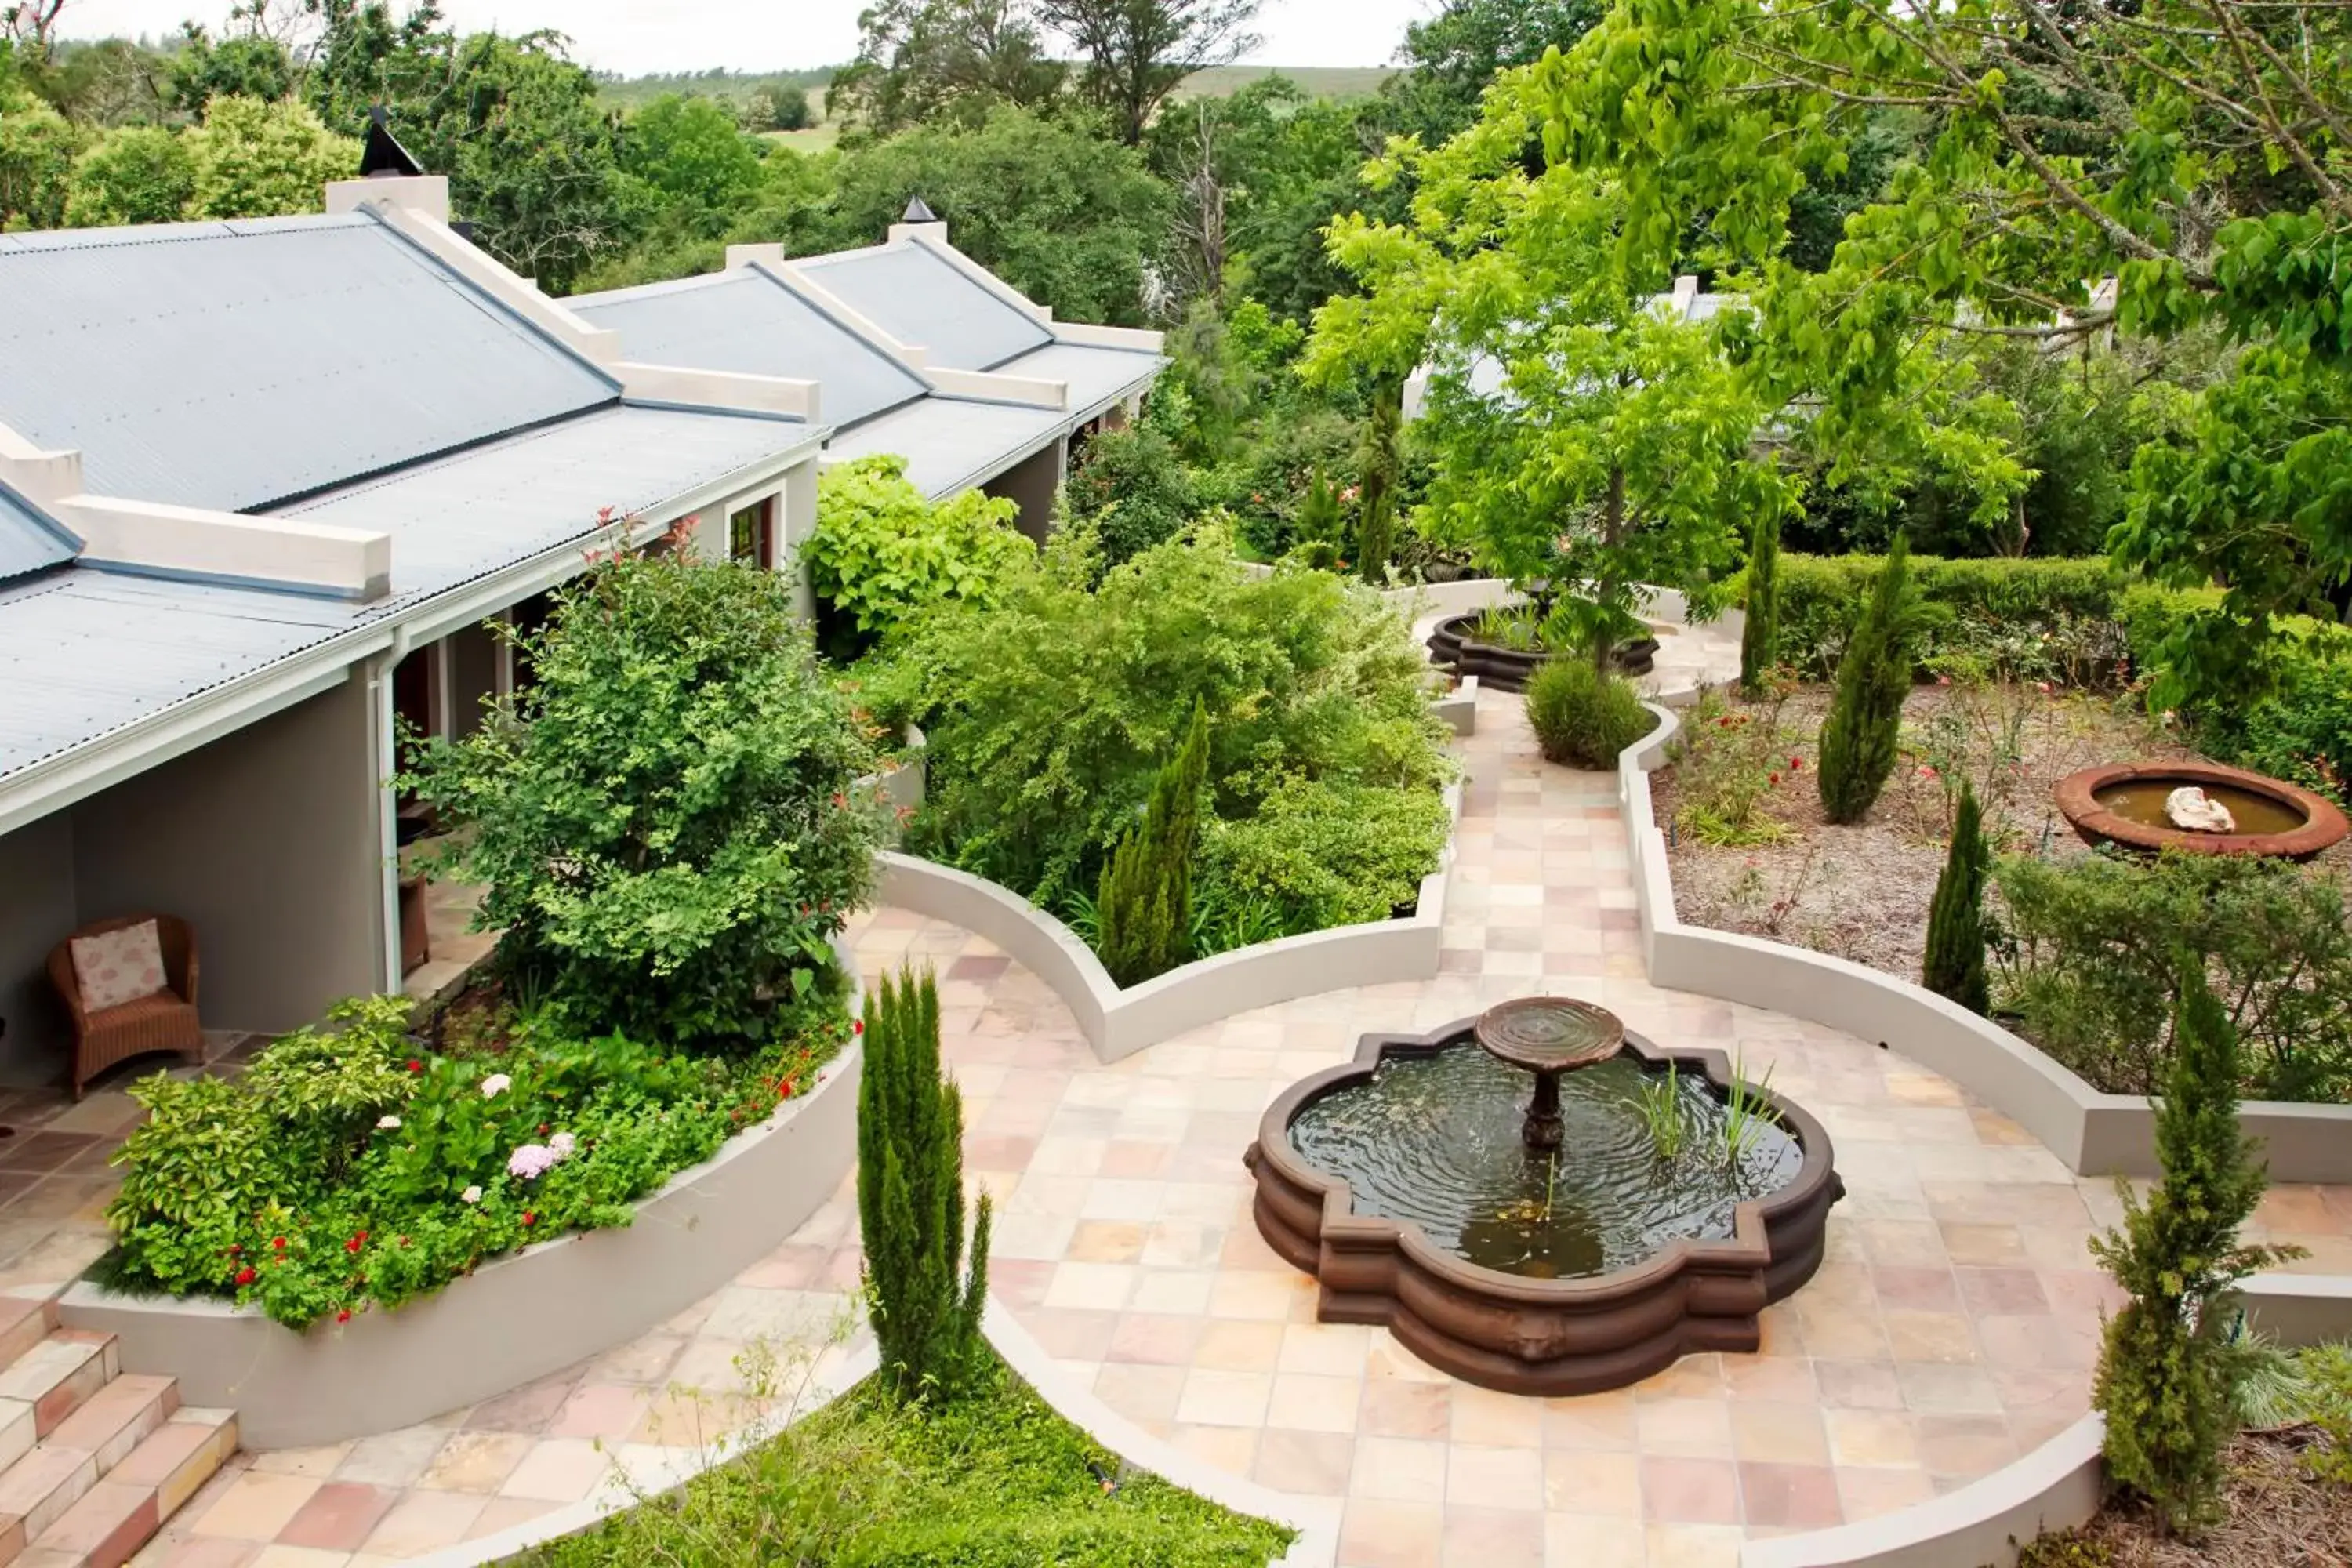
<point x="344" y="1316"/>
<point x="1774" y="777"/>
<point x="354" y="1244"/>
<point x="857" y="1025"/>
<point x="246" y="1276"/>
<point x="415" y="1066"/>
<point x="236" y="1251"/>
<point x="530" y="1218"/>
<point x="1796" y="764"/>
<point x="278" y="1243"/>
<point x="784" y="1089"/>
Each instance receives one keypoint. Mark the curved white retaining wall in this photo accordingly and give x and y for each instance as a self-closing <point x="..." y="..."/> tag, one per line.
<point x="2094" y="1133"/>
<point x="1119" y="1022"/>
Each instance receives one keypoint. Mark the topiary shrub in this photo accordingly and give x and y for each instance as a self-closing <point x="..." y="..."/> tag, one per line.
<point x="1144" y="903"/>
<point x="1759" y="638"/>
<point x="2163" y="1379"/>
<point x="881" y="550"/>
<point x="924" y="1303"/>
<point x="1865" y="718"/>
<point x="1955" y="960"/>
<point x="1582" y="717"/>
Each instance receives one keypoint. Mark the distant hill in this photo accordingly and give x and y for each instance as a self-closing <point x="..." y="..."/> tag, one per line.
<point x="1315" y="81"/>
<point x="1219" y="81"/>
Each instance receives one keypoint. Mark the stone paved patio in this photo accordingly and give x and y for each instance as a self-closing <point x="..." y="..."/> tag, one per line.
<point x="1953" y="1326"/>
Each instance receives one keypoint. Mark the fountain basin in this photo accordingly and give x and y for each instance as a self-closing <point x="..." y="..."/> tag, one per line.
<point x="1455" y="644"/>
<point x="1538" y="1309"/>
<point x="2122" y="804"/>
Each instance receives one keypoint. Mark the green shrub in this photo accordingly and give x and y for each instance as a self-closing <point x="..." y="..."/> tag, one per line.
<point x="1144" y="906"/>
<point x="994" y="1480"/>
<point x="1326" y="854"/>
<point x="2326" y="1401"/>
<point x="2300" y="732"/>
<point x="2089" y="950"/>
<point x="664" y="818"/>
<point x="336" y="1172"/>
<point x="1133" y="489"/>
<point x="2163" y="1379"/>
<point x="1760" y="637"/>
<point x="880" y="551"/>
<point x="1955" y="960"/>
<point x="1859" y="737"/>
<point x="923" y="1301"/>
<point x="1582" y="717"/>
<point x="1048" y="717"/>
<point x="2055" y="619"/>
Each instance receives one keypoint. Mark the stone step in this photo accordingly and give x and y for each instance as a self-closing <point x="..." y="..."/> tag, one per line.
<point x="25" y="1322"/>
<point x="56" y="1376"/>
<point x="117" y="1418"/>
<point x="109" y="1523"/>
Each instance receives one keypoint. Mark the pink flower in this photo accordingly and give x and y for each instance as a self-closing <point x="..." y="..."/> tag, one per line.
<point x="1925" y="771"/>
<point x="2042" y="687"/>
<point x="531" y="1161"/>
<point x="1943" y="680"/>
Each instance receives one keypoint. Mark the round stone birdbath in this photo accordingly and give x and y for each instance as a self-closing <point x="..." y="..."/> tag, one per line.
<point x="1549" y="1035"/>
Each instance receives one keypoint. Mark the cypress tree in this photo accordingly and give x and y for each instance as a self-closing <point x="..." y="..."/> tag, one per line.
<point x="1759" y="639"/>
<point x="924" y="1304"/>
<point x="1865" y="720"/>
<point x="1376" y="536"/>
<point x="2164" y="1367"/>
<point x="1144" y="902"/>
<point x="1954" y="964"/>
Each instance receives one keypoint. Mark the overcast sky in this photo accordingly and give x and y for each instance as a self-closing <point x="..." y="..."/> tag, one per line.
<point x="637" y="36"/>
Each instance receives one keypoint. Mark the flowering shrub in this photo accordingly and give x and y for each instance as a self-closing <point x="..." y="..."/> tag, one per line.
<point x="352" y="1166"/>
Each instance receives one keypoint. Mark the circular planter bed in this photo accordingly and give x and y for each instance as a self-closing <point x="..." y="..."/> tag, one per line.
<point x="2097" y="802"/>
<point x="1518" y="1331"/>
<point x="1453" y="644"/>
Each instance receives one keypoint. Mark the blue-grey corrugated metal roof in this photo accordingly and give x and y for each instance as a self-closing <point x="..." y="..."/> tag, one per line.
<point x="457" y="518"/>
<point x="750" y="322"/>
<point x="1093" y="375"/>
<point x="237" y="364"/>
<point x="950" y="444"/>
<point x="925" y="301"/>
<point x="84" y="652"/>
<point x="29" y="542"/>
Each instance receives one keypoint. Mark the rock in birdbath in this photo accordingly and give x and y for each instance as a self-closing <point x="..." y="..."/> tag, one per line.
<point x="2191" y="808"/>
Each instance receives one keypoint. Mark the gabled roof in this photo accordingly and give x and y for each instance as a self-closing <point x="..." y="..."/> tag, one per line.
<point x="235" y="365"/>
<point x="29" y="542"/>
<point x="951" y="444"/>
<point x="749" y="321"/>
<point x="1095" y="376"/>
<point x="926" y="301"/>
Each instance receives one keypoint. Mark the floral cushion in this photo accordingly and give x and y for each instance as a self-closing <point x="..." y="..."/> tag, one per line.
<point x="118" y="966"/>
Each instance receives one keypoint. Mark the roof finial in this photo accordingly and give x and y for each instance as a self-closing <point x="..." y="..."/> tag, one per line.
<point x="920" y="211"/>
<point x="383" y="156"/>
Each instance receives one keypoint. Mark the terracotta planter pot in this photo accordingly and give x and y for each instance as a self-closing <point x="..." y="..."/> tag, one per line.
<point x="1525" y="1335"/>
<point x="2095" y="824"/>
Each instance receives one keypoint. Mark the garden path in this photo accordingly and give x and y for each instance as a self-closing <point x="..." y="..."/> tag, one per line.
<point x="1952" y="1328"/>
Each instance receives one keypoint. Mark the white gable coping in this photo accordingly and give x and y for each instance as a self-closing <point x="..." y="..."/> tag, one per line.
<point x="1135" y="340"/>
<point x="1030" y="391"/>
<point x="599" y="345"/>
<point x="426" y="194"/>
<point x="720" y="389"/>
<point x="40" y="476"/>
<point x="229" y="547"/>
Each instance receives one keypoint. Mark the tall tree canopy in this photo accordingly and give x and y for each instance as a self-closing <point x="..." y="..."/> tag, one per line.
<point x="920" y="62"/>
<point x="1137" y="51"/>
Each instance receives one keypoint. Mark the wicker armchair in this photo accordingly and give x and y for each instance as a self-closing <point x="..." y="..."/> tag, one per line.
<point x="163" y="1022"/>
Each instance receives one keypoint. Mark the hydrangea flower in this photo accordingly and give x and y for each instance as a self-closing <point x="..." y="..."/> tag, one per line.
<point x="387" y="1124"/>
<point x="530" y="1160"/>
<point x="495" y="1085"/>
<point x="562" y="1145"/>
<point x="472" y="1195"/>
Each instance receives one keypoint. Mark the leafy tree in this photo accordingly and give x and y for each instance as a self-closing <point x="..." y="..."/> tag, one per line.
<point x="257" y="159"/>
<point x="1132" y="490"/>
<point x="936" y="62"/>
<point x="247" y="64"/>
<point x="881" y="550"/>
<point x="1955" y="962"/>
<point x="925" y="1303"/>
<point x="1058" y="214"/>
<point x="1859" y="737"/>
<point x="139" y="173"/>
<point x="1137" y="51"/>
<point x="2164" y="1374"/>
<point x="1144" y="902"/>
<point x="1760" y="636"/>
<point x="1451" y="57"/>
<point x="37" y="147"/>
<point x="1577" y="432"/>
<point x="665" y="818"/>
<point x="781" y="107"/>
<point x="690" y="151"/>
<point x="2190" y="150"/>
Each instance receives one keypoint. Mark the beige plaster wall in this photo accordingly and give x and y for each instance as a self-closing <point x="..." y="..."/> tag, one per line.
<point x="267" y="841"/>
<point x="1032" y="484"/>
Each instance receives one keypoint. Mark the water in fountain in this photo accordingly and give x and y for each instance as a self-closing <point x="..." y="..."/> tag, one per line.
<point x="1436" y="1139"/>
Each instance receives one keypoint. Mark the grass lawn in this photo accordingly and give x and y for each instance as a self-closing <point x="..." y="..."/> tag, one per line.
<point x="997" y="1481"/>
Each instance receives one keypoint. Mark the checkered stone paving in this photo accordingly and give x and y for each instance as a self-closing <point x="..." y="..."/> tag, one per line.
<point x="1952" y="1327"/>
